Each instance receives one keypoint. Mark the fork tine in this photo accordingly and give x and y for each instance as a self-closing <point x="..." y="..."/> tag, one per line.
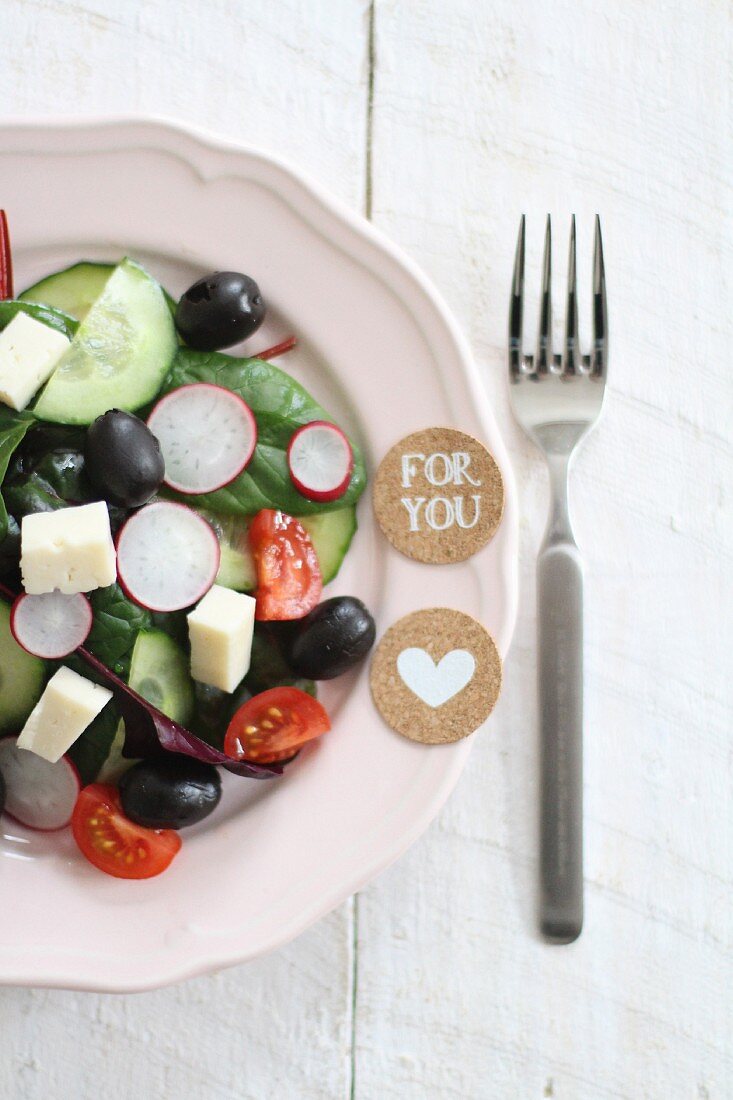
<point x="544" y="336"/>
<point x="570" y="352"/>
<point x="600" y="311"/>
<point x="516" y="308"/>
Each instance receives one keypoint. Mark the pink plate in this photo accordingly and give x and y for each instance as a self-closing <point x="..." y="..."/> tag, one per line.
<point x="379" y="349"/>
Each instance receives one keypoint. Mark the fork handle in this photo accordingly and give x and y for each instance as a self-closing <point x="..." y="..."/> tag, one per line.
<point x="560" y="687"/>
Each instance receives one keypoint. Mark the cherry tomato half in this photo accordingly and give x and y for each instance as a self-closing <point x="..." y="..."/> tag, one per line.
<point x="271" y="726"/>
<point x="115" y="844"/>
<point x="289" y="582"/>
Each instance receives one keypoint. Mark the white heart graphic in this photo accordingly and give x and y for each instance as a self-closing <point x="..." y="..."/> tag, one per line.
<point x="435" y="684"/>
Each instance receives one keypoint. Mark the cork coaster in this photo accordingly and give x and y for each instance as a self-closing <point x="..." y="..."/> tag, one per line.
<point x="436" y="676"/>
<point x="438" y="496"/>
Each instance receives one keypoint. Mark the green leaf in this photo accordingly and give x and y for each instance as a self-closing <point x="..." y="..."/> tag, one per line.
<point x="90" y="751"/>
<point x="280" y="405"/>
<point x="172" y="623"/>
<point x="13" y="426"/>
<point x="47" y="315"/>
<point x="46" y="472"/>
<point x="213" y="709"/>
<point x="117" y="623"/>
<point x="10" y="550"/>
<point x="269" y="667"/>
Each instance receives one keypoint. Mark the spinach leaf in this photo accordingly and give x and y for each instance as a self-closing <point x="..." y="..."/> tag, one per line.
<point x="174" y="624"/>
<point x="269" y="667"/>
<point x="47" y="471"/>
<point x="117" y="623"/>
<point x="13" y="426"/>
<point x="213" y="709"/>
<point x="10" y="555"/>
<point x="47" y="315"/>
<point x="90" y="751"/>
<point x="280" y="405"/>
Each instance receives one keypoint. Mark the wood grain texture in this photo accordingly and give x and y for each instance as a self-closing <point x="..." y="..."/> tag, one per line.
<point x="279" y="1027"/>
<point x="480" y="111"/>
<point x="621" y="108"/>
<point x="291" y="78"/>
<point x="287" y="77"/>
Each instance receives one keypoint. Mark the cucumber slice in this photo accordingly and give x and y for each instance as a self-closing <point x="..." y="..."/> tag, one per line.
<point x="159" y="671"/>
<point x="236" y="565"/>
<point x="21" y="678"/>
<point x="74" y="290"/>
<point x="54" y="318"/>
<point x="120" y="354"/>
<point x="331" y="533"/>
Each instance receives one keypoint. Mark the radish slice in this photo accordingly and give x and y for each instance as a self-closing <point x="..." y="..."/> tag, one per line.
<point x="52" y="625"/>
<point x="38" y="794"/>
<point x="167" y="556"/>
<point x="207" y="435"/>
<point x="320" y="460"/>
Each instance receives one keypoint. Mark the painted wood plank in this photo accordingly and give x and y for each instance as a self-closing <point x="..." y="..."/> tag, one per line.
<point x="289" y="78"/>
<point x="498" y="108"/>
<point x="279" y="1027"/>
<point x="483" y="110"/>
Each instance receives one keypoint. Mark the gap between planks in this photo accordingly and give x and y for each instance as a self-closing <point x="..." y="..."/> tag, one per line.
<point x="368" y="180"/>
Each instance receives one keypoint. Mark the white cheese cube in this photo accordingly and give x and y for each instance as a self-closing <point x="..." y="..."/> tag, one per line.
<point x="66" y="708"/>
<point x="29" y="353"/>
<point x="220" y="630"/>
<point x="71" y="550"/>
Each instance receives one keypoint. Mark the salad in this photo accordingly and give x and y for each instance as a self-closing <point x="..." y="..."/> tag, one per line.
<point x="169" y="517"/>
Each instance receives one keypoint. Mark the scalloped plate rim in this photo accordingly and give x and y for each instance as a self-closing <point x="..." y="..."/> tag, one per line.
<point x="54" y="967"/>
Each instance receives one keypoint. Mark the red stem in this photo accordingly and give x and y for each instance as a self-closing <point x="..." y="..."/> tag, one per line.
<point x="277" y="349"/>
<point x="6" y="261"/>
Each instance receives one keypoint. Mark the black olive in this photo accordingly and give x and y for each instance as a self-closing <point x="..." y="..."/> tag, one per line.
<point x="123" y="459"/>
<point x="220" y="310"/>
<point x="170" y="792"/>
<point x="332" y="638"/>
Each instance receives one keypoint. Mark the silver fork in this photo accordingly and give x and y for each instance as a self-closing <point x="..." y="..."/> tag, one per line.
<point x="557" y="399"/>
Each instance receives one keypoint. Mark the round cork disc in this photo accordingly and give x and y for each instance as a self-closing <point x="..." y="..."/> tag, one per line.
<point x="438" y="496"/>
<point x="436" y="676"/>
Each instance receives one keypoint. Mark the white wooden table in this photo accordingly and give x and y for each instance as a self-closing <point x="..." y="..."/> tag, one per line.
<point x="443" y="120"/>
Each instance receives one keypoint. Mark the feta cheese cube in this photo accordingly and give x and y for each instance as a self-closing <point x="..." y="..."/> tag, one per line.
<point x="68" y="705"/>
<point x="71" y="550"/>
<point x="29" y="354"/>
<point x="220" y="630"/>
